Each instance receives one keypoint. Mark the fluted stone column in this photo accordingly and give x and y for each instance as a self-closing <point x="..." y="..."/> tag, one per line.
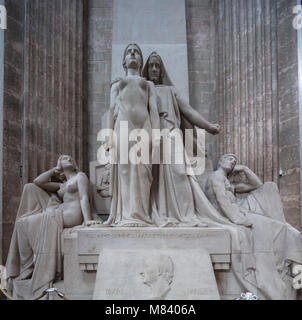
<point x="1" y="127"/>
<point x="257" y="92"/>
<point x="201" y="37"/>
<point x="98" y="75"/>
<point x="12" y="115"/>
<point x="43" y="107"/>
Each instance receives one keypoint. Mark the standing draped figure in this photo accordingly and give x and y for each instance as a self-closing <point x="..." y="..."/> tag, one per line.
<point x="177" y="199"/>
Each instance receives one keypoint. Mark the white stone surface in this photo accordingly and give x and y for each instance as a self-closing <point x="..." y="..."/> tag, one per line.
<point x="77" y="284"/>
<point x="155" y="274"/>
<point x="155" y="25"/>
<point x="100" y="203"/>
<point x="94" y="239"/>
<point x="83" y="247"/>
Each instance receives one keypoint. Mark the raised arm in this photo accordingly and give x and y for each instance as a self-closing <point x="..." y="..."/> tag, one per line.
<point x="228" y="208"/>
<point x="253" y="182"/>
<point x="83" y="187"/>
<point x="43" y="181"/>
<point x="195" y="117"/>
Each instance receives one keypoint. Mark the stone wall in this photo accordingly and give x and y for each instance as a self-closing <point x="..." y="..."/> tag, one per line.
<point x="242" y="73"/>
<point x="257" y="92"/>
<point x="200" y="36"/>
<point x="201" y="58"/>
<point x="98" y="76"/>
<point x="43" y="110"/>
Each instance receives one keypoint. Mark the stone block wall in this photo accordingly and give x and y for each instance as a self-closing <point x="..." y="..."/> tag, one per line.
<point x="200" y="36"/>
<point x="201" y="59"/>
<point x="98" y="75"/>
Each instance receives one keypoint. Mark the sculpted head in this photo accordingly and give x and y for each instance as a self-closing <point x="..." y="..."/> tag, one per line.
<point x="155" y="68"/>
<point x="133" y="58"/>
<point x="67" y="162"/>
<point x="158" y="268"/>
<point x="227" y="162"/>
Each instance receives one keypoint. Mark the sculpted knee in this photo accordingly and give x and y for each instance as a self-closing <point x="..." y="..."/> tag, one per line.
<point x="270" y="186"/>
<point x="19" y="223"/>
<point x="29" y="186"/>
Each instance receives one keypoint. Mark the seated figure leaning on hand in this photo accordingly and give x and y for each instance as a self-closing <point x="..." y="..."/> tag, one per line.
<point x="35" y="256"/>
<point x="247" y="202"/>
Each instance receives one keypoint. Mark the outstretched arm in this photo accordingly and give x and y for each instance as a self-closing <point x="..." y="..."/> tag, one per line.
<point x="83" y="187"/>
<point x="194" y="117"/>
<point x="253" y="182"/>
<point x="43" y="181"/>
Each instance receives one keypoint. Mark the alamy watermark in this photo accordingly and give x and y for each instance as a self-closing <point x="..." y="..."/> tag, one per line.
<point x="297" y="22"/>
<point x="2" y="277"/>
<point x="140" y="146"/>
<point x="3" y="17"/>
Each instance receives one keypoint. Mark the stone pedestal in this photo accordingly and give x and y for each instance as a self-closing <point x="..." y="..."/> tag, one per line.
<point x="155" y="275"/>
<point x="82" y="250"/>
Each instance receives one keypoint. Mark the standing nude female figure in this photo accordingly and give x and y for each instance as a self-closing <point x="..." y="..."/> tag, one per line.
<point x="133" y="101"/>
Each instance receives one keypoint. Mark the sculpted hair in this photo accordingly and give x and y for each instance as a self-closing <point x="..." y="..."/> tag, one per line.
<point x="154" y="54"/>
<point x="225" y="156"/>
<point x="140" y="53"/>
<point x="74" y="165"/>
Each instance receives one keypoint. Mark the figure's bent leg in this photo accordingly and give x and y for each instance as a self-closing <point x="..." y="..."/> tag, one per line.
<point x="33" y="200"/>
<point x="268" y="197"/>
<point x="25" y="250"/>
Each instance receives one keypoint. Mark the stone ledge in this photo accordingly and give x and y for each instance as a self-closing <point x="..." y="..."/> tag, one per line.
<point x="91" y="241"/>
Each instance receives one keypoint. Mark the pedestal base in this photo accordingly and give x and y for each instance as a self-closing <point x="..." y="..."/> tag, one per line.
<point x="155" y="275"/>
<point x="83" y="249"/>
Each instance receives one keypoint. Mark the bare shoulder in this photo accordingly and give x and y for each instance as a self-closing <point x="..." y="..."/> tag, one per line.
<point x="115" y="82"/>
<point x="115" y="85"/>
<point x="216" y="178"/>
<point x="81" y="176"/>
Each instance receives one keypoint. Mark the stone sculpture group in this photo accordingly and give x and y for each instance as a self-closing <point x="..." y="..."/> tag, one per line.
<point x="264" y="246"/>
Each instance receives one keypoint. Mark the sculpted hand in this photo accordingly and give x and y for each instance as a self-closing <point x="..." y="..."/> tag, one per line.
<point x="214" y="129"/>
<point x="56" y="171"/>
<point x="242" y="220"/>
<point x="239" y="168"/>
<point x="90" y="223"/>
<point x="108" y="145"/>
